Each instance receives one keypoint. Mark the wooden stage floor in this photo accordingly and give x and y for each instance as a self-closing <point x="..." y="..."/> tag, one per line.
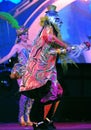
<point x="59" y="126"/>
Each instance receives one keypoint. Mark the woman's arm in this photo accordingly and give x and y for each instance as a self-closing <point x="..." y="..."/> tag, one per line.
<point x="10" y="54"/>
<point x="59" y="41"/>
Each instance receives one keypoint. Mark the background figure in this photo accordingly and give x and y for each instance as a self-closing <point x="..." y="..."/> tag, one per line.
<point x="22" y="49"/>
<point x="25" y="106"/>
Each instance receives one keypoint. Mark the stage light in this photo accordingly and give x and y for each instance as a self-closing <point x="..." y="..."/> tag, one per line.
<point x="4" y="83"/>
<point x="13" y="1"/>
<point x="85" y="0"/>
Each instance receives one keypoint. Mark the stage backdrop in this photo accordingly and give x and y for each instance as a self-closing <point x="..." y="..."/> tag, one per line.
<point x="76" y="18"/>
<point x="75" y="15"/>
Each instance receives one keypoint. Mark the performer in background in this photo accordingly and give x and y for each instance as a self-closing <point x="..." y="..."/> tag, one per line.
<point x="22" y="48"/>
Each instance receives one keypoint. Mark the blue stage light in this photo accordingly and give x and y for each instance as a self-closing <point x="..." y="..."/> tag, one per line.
<point x="13" y="1"/>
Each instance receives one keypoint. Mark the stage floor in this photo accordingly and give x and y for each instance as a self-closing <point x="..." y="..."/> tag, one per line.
<point x="59" y="126"/>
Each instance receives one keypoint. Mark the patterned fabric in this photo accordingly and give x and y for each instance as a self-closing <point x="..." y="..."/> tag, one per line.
<point x="25" y="105"/>
<point x="40" y="68"/>
<point x="19" y="68"/>
<point x="41" y="64"/>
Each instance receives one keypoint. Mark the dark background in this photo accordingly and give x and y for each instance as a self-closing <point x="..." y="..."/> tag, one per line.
<point x="75" y="104"/>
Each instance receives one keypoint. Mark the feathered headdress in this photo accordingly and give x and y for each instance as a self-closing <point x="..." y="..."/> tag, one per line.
<point x="21" y="30"/>
<point x="10" y="19"/>
<point x="14" y="23"/>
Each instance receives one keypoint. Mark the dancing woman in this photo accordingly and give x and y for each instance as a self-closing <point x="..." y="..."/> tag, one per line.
<point x="22" y="48"/>
<point x="41" y="73"/>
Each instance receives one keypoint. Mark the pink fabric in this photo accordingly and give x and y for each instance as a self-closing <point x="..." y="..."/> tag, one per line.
<point x="41" y="65"/>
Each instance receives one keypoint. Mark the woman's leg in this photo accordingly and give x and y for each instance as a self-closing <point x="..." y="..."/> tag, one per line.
<point x="28" y="107"/>
<point x="46" y="116"/>
<point x="21" y="115"/>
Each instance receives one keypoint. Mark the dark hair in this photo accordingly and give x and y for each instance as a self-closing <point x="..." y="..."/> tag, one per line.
<point x="18" y="36"/>
<point x="53" y="44"/>
<point x="49" y="23"/>
<point x="54" y="30"/>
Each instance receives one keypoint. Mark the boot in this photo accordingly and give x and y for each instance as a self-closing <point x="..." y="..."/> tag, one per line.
<point x="40" y="126"/>
<point x="49" y="124"/>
